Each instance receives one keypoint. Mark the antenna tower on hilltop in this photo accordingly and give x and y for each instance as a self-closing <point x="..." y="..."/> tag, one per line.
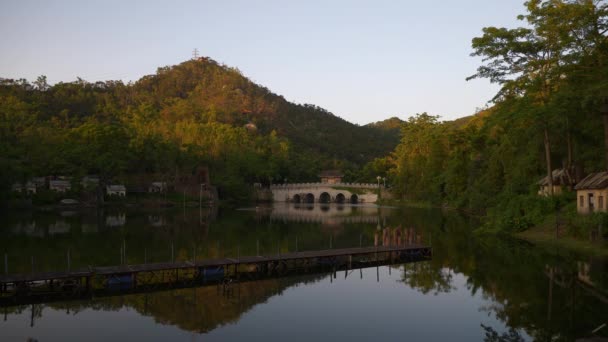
<point x="195" y="54"/>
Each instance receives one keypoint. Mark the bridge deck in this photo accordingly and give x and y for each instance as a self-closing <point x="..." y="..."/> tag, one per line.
<point x="222" y="262"/>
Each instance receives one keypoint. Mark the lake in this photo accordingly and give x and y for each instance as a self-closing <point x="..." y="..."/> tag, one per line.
<point x="474" y="288"/>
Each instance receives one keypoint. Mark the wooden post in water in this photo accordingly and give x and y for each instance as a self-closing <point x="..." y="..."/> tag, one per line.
<point x="238" y="257"/>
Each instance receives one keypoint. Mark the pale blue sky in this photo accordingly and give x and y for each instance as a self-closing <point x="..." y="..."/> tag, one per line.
<point x="362" y="60"/>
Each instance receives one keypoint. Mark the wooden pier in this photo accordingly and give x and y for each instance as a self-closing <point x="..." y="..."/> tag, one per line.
<point x="16" y="289"/>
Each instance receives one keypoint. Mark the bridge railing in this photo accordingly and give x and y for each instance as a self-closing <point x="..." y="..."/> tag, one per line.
<point x="324" y="185"/>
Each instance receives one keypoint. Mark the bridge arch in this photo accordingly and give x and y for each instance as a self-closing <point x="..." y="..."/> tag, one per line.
<point x="354" y="199"/>
<point x="309" y="198"/>
<point x="325" y="197"/>
<point x="340" y="198"/>
<point x="297" y="198"/>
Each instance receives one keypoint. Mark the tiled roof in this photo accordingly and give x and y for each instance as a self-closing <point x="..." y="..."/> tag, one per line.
<point x="331" y="173"/>
<point x="597" y="180"/>
<point x="560" y="177"/>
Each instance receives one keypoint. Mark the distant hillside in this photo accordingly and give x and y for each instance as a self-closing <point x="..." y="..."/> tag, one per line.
<point x="209" y="90"/>
<point x="390" y="128"/>
<point x="197" y="113"/>
<point x="390" y="124"/>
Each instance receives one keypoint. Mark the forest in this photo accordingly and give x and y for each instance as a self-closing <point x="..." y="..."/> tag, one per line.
<point x="197" y="113"/>
<point x="551" y="112"/>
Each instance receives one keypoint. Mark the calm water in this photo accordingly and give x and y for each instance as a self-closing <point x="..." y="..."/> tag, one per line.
<point x="473" y="289"/>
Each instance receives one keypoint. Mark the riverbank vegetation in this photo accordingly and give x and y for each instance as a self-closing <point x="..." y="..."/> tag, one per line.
<point x="551" y="112"/>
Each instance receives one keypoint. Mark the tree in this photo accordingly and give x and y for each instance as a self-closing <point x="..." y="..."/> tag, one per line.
<point x="528" y="61"/>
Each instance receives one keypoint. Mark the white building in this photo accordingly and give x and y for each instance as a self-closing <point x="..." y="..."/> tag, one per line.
<point x="116" y="190"/>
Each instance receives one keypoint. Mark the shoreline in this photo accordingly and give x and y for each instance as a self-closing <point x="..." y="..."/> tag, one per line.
<point x="544" y="239"/>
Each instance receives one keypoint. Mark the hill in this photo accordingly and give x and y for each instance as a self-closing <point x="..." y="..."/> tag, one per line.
<point x="195" y="113"/>
<point x="219" y="93"/>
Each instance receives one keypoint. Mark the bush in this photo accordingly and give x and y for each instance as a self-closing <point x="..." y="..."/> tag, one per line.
<point x="581" y="226"/>
<point x="520" y="212"/>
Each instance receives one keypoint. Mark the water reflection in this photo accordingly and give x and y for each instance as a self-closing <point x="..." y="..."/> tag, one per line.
<point x="331" y="214"/>
<point x="474" y="288"/>
<point x="348" y="296"/>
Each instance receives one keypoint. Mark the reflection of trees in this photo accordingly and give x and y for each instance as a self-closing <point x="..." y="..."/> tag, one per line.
<point x="492" y="335"/>
<point x="512" y="275"/>
<point x="199" y="309"/>
<point x="533" y="290"/>
<point x="424" y="277"/>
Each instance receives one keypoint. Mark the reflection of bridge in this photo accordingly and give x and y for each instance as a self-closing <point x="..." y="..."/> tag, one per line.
<point x="325" y="193"/>
<point x="324" y="213"/>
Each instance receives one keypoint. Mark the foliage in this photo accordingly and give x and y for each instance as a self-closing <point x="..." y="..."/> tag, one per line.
<point x="192" y="114"/>
<point x="552" y="74"/>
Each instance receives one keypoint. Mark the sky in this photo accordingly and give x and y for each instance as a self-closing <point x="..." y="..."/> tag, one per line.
<point x="364" y="61"/>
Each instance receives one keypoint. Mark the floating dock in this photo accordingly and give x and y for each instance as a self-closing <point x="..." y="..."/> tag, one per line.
<point x="16" y="289"/>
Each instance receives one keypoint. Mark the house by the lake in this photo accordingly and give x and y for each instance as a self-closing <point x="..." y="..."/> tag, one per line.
<point x="29" y="187"/>
<point x="592" y="193"/>
<point x="562" y="180"/>
<point x="116" y="190"/>
<point x="60" y="185"/>
<point x="331" y="176"/>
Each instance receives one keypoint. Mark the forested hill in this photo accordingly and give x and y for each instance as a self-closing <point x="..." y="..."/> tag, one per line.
<point x="210" y="91"/>
<point x="196" y="113"/>
<point x="390" y="128"/>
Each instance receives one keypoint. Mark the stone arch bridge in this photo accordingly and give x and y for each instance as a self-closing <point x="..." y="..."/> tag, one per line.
<point x="325" y="193"/>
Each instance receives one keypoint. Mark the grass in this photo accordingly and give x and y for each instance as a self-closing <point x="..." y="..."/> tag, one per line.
<point x="544" y="236"/>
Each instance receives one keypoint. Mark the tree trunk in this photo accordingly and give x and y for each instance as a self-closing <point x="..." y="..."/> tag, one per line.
<point x="569" y="142"/>
<point x="548" y="160"/>
<point x="569" y="170"/>
<point x="606" y="139"/>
